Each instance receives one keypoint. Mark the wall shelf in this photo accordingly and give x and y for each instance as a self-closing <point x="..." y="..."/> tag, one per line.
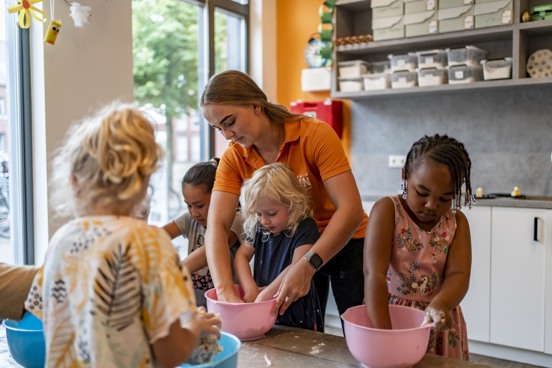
<point x="517" y="40"/>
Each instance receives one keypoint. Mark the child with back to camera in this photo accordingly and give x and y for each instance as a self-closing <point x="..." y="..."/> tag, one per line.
<point x="280" y="231"/>
<point x="417" y="245"/>
<point x="197" y="185"/>
<point x="111" y="291"/>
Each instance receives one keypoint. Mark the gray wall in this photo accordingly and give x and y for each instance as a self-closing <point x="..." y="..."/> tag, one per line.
<point x="508" y="134"/>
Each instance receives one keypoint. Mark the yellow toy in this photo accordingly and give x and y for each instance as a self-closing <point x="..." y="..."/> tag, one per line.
<point x="26" y="9"/>
<point x="53" y="30"/>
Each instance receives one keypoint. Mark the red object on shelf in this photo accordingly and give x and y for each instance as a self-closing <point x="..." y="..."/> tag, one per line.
<point x="329" y="111"/>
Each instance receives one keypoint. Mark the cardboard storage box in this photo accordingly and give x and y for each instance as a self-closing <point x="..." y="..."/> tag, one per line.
<point x="419" y="6"/>
<point x="386" y="8"/>
<point x="492" y="14"/>
<point x="456" y="19"/>
<point x="388" y="28"/>
<point x="446" y="4"/>
<point x="420" y="24"/>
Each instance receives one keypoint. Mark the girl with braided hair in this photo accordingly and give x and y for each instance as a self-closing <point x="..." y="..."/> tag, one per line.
<point x="417" y="249"/>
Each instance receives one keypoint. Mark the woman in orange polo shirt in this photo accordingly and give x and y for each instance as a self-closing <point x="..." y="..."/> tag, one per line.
<point x="261" y="133"/>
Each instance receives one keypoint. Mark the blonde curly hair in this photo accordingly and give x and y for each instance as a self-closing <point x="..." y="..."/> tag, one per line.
<point x="105" y="162"/>
<point x="274" y="182"/>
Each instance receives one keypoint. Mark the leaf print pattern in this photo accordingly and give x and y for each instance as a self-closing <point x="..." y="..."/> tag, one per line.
<point x="117" y="290"/>
<point x="61" y="353"/>
<point x="407" y="243"/>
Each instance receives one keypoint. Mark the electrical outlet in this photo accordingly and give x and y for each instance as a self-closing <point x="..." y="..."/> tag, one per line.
<point x="396" y="161"/>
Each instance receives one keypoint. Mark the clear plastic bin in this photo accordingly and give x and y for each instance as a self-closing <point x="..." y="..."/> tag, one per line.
<point x="467" y="55"/>
<point x="432" y="76"/>
<point x="404" y="79"/>
<point x="432" y="59"/>
<point x="380" y="66"/>
<point x="459" y="74"/>
<point x="497" y="69"/>
<point x="376" y="81"/>
<point x="353" y="68"/>
<point x="403" y="62"/>
<point x="350" y="84"/>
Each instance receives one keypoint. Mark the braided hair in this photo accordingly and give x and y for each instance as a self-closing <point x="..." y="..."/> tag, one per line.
<point x="447" y="151"/>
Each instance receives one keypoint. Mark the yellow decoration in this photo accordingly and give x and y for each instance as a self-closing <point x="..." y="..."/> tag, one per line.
<point x="26" y="9"/>
<point x="53" y="30"/>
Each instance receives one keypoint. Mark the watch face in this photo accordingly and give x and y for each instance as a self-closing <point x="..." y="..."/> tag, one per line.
<point x="312" y="53"/>
<point x="315" y="260"/>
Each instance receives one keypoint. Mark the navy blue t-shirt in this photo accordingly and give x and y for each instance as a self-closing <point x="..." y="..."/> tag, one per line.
<point x="273" y="253"/>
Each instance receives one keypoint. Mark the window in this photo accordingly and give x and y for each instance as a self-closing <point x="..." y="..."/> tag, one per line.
<point x="178" y="45"/>
<point x="16" y="242"/>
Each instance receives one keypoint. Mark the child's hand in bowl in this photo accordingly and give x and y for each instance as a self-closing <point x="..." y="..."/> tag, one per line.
<point x="439" y="316"/>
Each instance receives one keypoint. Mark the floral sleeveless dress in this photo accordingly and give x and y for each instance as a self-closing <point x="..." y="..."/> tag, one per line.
<point x="415" y="275"/>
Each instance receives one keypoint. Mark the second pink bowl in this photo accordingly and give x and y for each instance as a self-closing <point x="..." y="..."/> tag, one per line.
<point x="247" y="321"/>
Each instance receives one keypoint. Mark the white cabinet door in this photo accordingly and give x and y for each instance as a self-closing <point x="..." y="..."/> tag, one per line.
<point x="476" y="303"/>
<point x="367" y="205"/>
<point x="518" y="277"/>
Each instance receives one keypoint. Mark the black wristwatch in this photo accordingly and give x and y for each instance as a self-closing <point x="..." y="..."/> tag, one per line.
<point x="314" y="260"/>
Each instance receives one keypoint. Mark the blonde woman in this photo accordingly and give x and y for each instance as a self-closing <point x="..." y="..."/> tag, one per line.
<point x="279" y="230"/>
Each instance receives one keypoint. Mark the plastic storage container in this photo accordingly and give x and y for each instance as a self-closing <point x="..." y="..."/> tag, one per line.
<point x="380" y="66"/>
<point x="403" y="62"/>
<point x="404" y="79"/>
<point x="467" y="55"/>
<point x="459" y="74"/>
<point x="377" y="81"/>
<point x="353" y="68"/>
<point x="432" y="59"/>
<point x="432" y="76"/>
<point x="350" y="84"/>
<point x="497" y="69"/>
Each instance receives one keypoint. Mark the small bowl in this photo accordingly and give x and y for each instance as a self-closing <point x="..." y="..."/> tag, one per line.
<point x="403" y="346"/>
<point x="26" y="341"/>
<point x="227" y="358"/>
<point x="247" y="321"/>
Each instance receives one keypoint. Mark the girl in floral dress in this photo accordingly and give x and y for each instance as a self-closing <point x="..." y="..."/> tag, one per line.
<point x="417" y="249"/>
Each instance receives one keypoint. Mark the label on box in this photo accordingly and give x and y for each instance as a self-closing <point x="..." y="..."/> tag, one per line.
<point x="433" y="26"/>
<point x="468" y="22"/>
<point x="459" y="74"/>
<point x="402" y="80"/>
<point x="430" y="5"/>
<point x="507" y="17"/>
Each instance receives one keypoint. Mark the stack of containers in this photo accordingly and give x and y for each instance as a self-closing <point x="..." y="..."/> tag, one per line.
<point x="379" y="78"/>
<point x="420" y="17"/>
<point x="387" y="19"/>
<point x="455" y="15"/>
<point x="403" y="70"/>
<point x="432" y="67"/>
<point x="492" y="13"/>
<point x="350" y="75"/>
<point x="464" y="64"/>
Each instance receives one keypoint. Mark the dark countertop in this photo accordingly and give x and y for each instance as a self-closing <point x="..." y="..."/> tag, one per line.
<point x="530" y="202"/>
<point x="292" y="347"/>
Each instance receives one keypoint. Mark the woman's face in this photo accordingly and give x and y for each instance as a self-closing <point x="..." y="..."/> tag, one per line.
<point x="430" y="192"/>
<point x="197" y="199"/>
<point x="273" y="215"/>
<point x="240" y="124"/>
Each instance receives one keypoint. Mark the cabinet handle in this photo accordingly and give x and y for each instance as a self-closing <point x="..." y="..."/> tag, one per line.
<point x="536" y="229"/>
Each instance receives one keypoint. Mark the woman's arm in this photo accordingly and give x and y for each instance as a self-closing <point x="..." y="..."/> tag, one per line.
<point x="243" y="272"/>
<point x="222" y="211"/>
<point x="456" y="277"/>
<point x="349" y="214"/>
<point x="377" y="255"/>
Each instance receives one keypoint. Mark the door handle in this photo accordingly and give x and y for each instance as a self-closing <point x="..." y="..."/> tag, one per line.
<point x="536" y="229"/>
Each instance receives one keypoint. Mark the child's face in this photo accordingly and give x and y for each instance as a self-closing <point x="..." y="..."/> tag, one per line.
<point x="273" y="215"/>
<point x="197" y="199"/>
<point x="430" y="192"/>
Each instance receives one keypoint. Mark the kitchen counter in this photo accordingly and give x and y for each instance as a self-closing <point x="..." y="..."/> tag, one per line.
<point x="530" y="202"/>
<point x="292" y="347"/>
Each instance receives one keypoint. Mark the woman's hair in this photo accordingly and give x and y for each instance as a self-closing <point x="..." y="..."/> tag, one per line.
<point x="448" y="151"/>
<point x="105" y="162"/>
<point x="202" y="173"/>
<point x="275" y="182"/>
<point x="233" y="87"/>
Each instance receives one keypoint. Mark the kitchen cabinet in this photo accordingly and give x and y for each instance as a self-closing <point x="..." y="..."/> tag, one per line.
<point x="517" y="40"/>
<point x="509" y="303"/>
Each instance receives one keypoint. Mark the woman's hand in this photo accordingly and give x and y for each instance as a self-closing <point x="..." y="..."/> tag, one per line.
<point x="438" y="315"/>
<point x="296" y="283"/>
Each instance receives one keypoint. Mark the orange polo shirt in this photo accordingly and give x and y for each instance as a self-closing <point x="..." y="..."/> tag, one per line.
<point x="311" y="149"/>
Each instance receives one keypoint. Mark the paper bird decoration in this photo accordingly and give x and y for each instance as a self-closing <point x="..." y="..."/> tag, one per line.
<point x="26" y="9"/>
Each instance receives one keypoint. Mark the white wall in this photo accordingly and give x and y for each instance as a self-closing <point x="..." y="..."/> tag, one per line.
<point x="86" y="68"/>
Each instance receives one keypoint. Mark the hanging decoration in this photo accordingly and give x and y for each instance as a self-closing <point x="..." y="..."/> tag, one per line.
<point x="53" y="28"/>
<point x="26" y="9"/>
<point x="80" y="14"/>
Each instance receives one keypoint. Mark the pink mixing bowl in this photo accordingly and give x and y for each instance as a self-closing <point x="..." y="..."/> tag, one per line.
<point x="403" y="346"/>
<point x="247" y="321"/>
